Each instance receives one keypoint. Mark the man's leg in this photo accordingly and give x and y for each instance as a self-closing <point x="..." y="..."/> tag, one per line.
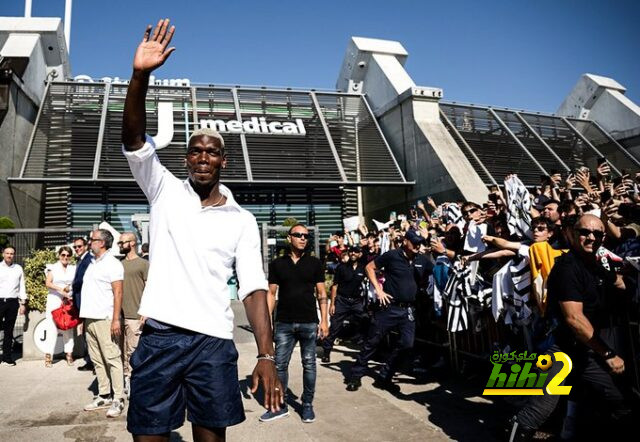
<point x="407" y="329"/>
<point x="10" y="312"/>
<point x="337" y="322"/>
<point x="538" y="408"/>
<point x="132" y="333"/>
<point x="379" y="328"/>
<point x="285" y="342"/>
<point x="93" y="346"/>
<point x="307" y="335"/>
<point x="204" y="434"/>
<point x="110" y="351"/>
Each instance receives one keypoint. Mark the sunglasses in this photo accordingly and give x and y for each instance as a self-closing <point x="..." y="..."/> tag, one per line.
<point x="122" y="242"/>
<point x="470" y="211"/>
<point x="540" y="228"/>
<point x="64" y="255"/>
<point x="78" y="247"/>
<point x="300" y="235"/>
<point x="95" y="239"/>
<point x="597" y="234"/>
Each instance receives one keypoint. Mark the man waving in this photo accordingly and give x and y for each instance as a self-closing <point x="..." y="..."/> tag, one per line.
<point x="186" y="358"/>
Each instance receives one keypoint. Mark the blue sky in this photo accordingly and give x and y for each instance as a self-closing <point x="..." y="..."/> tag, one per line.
<point x="514" y="53"/>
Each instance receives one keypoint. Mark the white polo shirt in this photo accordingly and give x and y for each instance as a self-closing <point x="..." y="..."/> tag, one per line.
<point x="12" y="281"/>
<point x="97" y="293"/>
<point x="193" y="251"/>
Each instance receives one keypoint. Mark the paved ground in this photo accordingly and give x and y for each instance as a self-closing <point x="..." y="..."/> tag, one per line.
<point x="39" y="404"/>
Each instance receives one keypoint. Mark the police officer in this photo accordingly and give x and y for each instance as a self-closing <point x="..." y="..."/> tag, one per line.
<point x="347" y="299"/>
<point x="405" y="269"/>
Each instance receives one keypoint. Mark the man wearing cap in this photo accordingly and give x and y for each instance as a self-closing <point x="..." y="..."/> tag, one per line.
<point x="347" y="299"/>
<point x="186" y="358"/>
<point x="405" y="270"/>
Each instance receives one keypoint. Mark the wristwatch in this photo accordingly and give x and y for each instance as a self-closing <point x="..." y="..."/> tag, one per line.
<point x="609" y="354"/>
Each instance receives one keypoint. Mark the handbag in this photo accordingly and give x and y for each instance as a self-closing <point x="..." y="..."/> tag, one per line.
<point x="66" y="316"/>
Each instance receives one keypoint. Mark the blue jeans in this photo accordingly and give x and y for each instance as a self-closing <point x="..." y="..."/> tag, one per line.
<point x="286" y="335"/>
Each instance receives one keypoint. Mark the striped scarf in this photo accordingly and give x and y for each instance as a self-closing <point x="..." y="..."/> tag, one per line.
<point x="459" y="293"/>
<point x="453" y="215"/>
<point x="518" y="208"/>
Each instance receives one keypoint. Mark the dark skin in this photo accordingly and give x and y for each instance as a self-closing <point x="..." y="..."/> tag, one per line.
<point x="204" y="160"/>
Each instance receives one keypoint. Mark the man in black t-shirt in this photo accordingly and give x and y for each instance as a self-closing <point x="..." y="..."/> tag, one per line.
<point x="581" y="294"/>
<point x="405" y="269"/>
<point x="298" y="279"/>
<point x="347" y="299"/>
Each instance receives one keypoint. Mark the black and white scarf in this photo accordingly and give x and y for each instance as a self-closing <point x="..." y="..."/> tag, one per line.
<point x="518" y="208"/>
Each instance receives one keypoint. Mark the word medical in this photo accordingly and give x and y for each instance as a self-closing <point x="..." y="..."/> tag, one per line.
<point x="256" y="126"/>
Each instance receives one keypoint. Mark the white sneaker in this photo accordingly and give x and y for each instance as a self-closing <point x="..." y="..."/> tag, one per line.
<point x="98" y="403"/>
<point x="116" y="409"/>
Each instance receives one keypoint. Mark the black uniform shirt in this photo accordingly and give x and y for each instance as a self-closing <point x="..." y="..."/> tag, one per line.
<point x="296" y="283"/>
<point x="571" y="279"/>
<point x="349" y="280"/>
<point x="402" y="277"/>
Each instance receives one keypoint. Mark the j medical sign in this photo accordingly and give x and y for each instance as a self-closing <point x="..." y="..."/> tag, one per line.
<point x="252" y="126"/>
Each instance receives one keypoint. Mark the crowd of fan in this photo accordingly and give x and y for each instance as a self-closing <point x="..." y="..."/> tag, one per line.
<point x="493" y="259"/>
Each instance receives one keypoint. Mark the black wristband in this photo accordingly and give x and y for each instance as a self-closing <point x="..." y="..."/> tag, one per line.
<point x="609" y="354"/>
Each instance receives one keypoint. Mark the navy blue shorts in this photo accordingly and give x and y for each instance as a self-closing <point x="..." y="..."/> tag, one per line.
<point x="175" y="369"/>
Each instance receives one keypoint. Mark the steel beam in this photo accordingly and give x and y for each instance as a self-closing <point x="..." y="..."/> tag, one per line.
<point x="466" y="145"/>
<point x="327" y="134"/>
<point x="194" y="105"/>
<point x="518" y="142"/>
<point x="539" y="138"/>
<point x="35" y="128"/>
<point x="103" y="123"/>
<point x="375" y="121"/>
<point x="304" y="183"/>
<point x="618" y="145"/>
<point x="585" y="141"/>
<point x="243" y="137"/>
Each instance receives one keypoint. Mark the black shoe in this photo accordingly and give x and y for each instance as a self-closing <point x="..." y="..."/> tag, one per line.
<point x="516" y="432"/>
<point x="386" y="384"/>
<point x="326" y="358"/>
<point x="86" y="367"/>
<point x="354" y="384"/>
<point x="9" y="361"/>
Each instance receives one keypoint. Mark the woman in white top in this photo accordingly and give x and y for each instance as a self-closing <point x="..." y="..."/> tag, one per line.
<point x="59" y="278"/>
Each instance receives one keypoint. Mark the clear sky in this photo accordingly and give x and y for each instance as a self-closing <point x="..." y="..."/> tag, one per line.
<point x="516" y="53"/>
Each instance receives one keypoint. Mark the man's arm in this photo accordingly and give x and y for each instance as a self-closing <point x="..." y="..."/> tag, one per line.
<point x="117" y="306"/>
<point x="383" y="297"/>
<point x="334" y="293"/>
<point x="255" y="304"/>
<point x="150" y="55"/>
<point x="22" y="295"/>
<point x="271" y="299"/>
<point x="322" y="303"/>
<point x="583" y="330"/>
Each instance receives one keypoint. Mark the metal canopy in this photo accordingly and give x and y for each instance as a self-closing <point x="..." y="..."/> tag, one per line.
<point x="76" y="135"/>
<point x="499" y="141"/>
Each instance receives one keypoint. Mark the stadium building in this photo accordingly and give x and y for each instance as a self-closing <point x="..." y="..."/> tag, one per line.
<point x="376" y="143"/>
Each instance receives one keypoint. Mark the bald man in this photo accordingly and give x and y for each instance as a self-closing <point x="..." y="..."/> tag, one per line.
<point x="582" y="297"/>
<point x="136" y="270"/>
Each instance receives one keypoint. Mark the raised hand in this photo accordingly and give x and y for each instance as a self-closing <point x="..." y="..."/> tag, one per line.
<point x="152" y="51"/>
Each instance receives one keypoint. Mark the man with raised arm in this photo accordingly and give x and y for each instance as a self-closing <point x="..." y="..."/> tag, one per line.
<point x="186" y="358"/>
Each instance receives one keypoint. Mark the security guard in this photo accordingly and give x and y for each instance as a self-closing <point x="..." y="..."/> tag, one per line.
<point x="405" y="269"/>
<point x="347" y="299"/>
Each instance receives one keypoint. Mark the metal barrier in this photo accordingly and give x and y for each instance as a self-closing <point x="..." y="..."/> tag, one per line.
<point x="27" y="240"/>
